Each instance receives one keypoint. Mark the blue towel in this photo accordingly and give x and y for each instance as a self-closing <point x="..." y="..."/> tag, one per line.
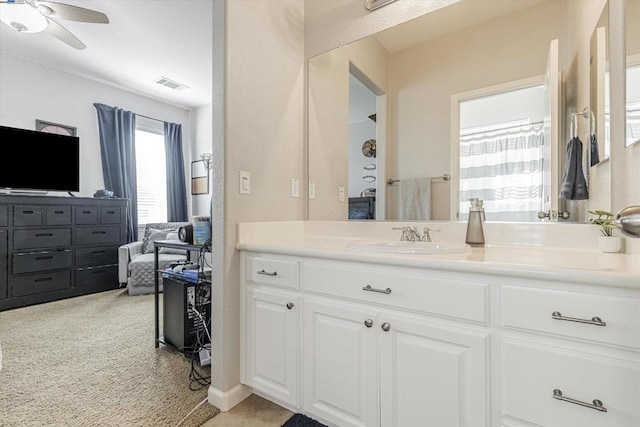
<point x="595" y="156"/>
<point x="574" y="185"/>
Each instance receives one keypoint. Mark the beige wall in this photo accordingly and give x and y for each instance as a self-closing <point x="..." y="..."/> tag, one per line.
<point x="423" y="78"/>
<point x="328" y="119"/>
<point x="263" y="134"/>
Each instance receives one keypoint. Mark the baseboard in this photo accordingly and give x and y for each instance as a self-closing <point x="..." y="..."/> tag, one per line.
<point x="225" y="400"/>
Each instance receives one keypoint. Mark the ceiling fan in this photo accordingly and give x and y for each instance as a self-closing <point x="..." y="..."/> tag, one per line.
<point x="34" y="16"/>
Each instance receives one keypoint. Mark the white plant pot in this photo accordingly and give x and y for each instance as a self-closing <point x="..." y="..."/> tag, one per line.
<point x="610" y="243"/>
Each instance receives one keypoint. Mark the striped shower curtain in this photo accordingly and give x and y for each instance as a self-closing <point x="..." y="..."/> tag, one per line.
<point x="505" y="169"/>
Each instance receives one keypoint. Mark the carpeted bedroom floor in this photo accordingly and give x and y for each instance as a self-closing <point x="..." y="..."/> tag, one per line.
<point x="91" y="361"/>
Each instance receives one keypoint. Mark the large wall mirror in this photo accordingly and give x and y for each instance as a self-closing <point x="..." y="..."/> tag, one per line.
<point x="444" y="98"/>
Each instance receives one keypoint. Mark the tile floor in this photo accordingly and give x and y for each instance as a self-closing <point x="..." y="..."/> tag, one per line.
<point x="252" y="412"/>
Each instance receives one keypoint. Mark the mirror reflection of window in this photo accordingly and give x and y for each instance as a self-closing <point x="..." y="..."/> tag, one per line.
<point x="501" y="154"/>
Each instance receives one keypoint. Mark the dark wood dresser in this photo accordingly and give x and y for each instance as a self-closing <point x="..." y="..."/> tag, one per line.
<point x="58" y="247"/>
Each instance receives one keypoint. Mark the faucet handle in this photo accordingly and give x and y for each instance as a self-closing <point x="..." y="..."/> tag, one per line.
<point x="405" y="232"/>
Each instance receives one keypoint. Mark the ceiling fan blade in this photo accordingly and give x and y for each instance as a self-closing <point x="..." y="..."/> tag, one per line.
<point x="72" y="13"/>
<point x="62" y="34"/>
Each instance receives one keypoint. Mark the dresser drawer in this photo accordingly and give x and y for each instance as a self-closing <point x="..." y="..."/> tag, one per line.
<point x="273" y="271"/>
<point x="27" y="215"/>
<point x="97" y="235"/>
<point x="4" y="215"/>
<point x="533" y="310"/>
<point x="39" y="283"/>
<point x="394" y="287"/>
<point x="531" y="373"/>
<point x="110" y="215"/>
<point x="96" y="256"/>
<point x="58" y="215"/>
<point x="97" y="276"/>
<point x="41" y="261"/>
<point x="42" y="238"/>
<point x="86" y="215"/>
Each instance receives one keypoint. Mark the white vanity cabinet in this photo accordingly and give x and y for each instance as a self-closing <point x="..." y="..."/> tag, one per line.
<point x="576" y="360"/>
<point x="271" y="343"/>
<point x="391" y="345"/>
<point x="371" y="362"/>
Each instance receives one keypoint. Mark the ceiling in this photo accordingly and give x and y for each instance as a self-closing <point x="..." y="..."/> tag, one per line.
<point x="144" y="40"/>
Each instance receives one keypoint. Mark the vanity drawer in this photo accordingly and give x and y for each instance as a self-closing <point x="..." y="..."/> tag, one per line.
<point x="460" y="299"/>
<point x="4" y="215"/>
<point x="531" y="373"/>
<point x="533" y="309"/>
<point x="273" y="271"/>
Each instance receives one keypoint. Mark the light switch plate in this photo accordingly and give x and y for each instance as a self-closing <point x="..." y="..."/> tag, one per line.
<point x="245" y="182"/>
<point x="341" y="194"/>
<point x="295" y="188"/>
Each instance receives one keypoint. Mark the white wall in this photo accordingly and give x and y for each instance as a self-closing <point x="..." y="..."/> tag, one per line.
<point x="31" y="91"/>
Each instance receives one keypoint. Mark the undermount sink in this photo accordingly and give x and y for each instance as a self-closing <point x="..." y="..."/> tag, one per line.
<point x="405" y="247"/>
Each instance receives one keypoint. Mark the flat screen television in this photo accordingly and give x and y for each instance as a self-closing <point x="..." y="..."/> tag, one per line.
<point x="40" y="161"/>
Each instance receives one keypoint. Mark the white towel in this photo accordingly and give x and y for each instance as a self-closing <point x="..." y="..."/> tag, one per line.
<point x="415" y="198"/>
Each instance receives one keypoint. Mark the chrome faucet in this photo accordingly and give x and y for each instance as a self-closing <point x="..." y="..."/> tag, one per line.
<point x="411" y="234"/>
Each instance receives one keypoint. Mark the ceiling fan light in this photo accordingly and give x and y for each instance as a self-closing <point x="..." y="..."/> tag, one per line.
<point x="22" y="17"/>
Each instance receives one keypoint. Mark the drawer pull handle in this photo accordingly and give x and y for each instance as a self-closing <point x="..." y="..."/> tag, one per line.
<point x="594" y="320"/>
<point x="111" y="212"/>
<point x="27" y="212"/>
<point x="368" y="323"/>
<point x="386" y="327"/>
<point x="58" y="212"/>
<point x="100" y="232"/>
<point x="86" y="212"/>
<point x="44" y="279"/>
<point x="42" y="258"/>
<point x="368" y="288"/>
<point x="44" y="234"/>
<point x="267" y="273"/>
<point x="289" y="305"/>
<point x="98" y="252"/>
<point x="597" y="404"/>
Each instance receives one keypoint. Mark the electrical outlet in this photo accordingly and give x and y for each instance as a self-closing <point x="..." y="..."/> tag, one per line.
<point x="312" y="190"/>
<point x="245" y="182"/>
<point x="341" y="194"/>
<point x="295" y="188"/>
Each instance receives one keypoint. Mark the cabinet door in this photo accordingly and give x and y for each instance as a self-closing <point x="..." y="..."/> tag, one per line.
<point x="432" y="375"/>
<point x="273" y="343"/>
<point x="341" y="363"/>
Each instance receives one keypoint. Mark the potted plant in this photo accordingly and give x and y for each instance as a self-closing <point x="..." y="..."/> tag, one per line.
<point x="607" y="242"/>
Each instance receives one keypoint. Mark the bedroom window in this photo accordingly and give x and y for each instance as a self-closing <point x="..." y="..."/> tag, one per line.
<point x="151" y="174"/>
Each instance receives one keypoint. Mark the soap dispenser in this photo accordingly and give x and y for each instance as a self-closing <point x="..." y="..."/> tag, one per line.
<point x="475" y="232"/>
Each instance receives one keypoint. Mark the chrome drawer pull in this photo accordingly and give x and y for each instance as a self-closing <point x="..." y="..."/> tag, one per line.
<point x="266" y="273"/>
<point x="368" y="288"/>
<point x="597" y="404"/>
<point x="289" y="305"/>
<point x="594" y="320"/>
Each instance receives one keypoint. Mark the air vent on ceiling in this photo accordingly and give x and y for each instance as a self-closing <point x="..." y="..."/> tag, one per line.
<point x="170" y="84"/>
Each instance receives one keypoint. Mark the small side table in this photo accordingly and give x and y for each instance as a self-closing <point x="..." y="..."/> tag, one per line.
<point x="173" y="244"/>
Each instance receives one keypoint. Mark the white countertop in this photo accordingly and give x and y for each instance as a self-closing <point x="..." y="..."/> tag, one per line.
<point x="585" y="266"/>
